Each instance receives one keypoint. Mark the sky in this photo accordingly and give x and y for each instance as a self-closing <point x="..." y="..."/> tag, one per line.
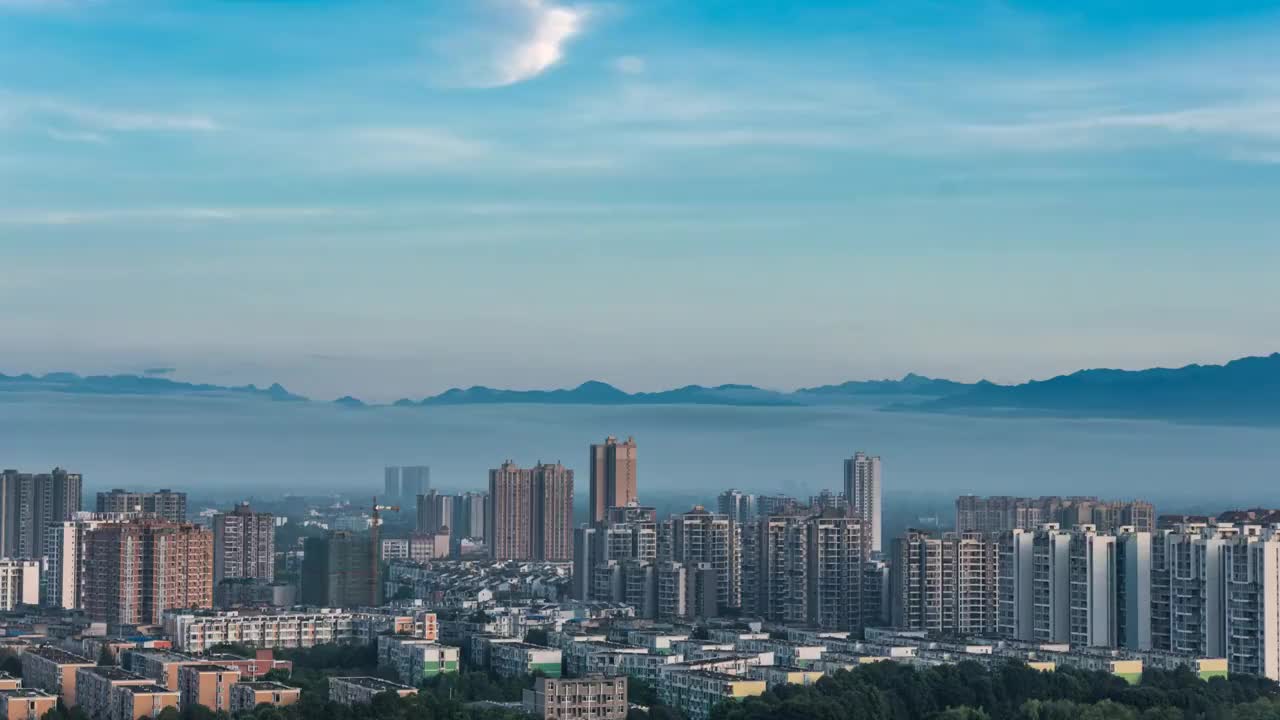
<point x="391" y="199"/>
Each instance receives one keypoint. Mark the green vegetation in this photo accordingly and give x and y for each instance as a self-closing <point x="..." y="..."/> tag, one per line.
<point x="968" y="691"/>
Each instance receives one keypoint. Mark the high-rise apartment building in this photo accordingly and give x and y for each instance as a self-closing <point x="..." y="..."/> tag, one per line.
<point x="391" y="483"/>
<point x="779" y="567"/>
<point x="862" y="490"/>
<point x="510" y="513"/>
<point x="837" y="548"/>
<point x="1002" y="513"/>
<point x="62" y="578"/>
<point x="134" y="571"/>
<point x="435" y="512"/>
<point x="700" y="536"/>
<point x="1216" y="593"/>
<point x="552" y="513"/>
<point x="943" y="584"/>
<point x="415" y="480"/>
<point x="244" y="545"/>
<point x="339" y="570"/>
<point x="164" y="504"/>
<point x="31" y="503"/>
<point x="531" y="513"/>
<point x="740" y="507"/>
<point x="470" y="510"/>
<point x="613" y="476"/>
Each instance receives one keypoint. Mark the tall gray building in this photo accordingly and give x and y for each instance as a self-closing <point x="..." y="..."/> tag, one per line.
<point x="31" y="504"/>
<point x="436" y="512"/>
<point x="862" y="490"/>
<point x="700" y="536"/>
<point x="391" y="483"/>
<point x="739" y="506"/>
<point x="414" y="481"/>
<point x="243" y="545"/>
<point x="165" y="504"/>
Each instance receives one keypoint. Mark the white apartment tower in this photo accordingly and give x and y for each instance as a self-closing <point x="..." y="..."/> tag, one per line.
<point x="862" y="490"/>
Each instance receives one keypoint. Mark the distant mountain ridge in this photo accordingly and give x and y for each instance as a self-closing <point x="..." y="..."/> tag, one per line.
<point x="1246" y="390"/>
<point x="66" y="382"/>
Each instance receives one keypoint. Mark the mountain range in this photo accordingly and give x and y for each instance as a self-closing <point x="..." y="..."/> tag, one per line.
<point x="1246" y="390"/>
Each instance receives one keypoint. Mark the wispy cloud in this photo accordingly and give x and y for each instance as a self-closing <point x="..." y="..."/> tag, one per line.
<point x="79" y="136"/>
<point x="165" y="214"/>
<point x="629" y="64"/>
<point x="497" y="43"/>
<point x="114" y="120"/>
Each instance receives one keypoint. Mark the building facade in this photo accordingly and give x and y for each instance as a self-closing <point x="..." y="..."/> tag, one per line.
<point x="135" y="571"/>
<point x="595" y="696"/>
<point x="31" y="503"/>
<point x="613" y="476"/>
<point x="244" y="545"/>
<point x="164" y="504"/>
<point x="863" y="486"/>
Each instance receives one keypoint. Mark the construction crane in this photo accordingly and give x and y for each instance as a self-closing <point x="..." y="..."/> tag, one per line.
<point x="375" y="562"/>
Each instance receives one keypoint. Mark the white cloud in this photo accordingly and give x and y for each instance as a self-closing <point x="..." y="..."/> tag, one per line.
<point x="128" y="120"/>
<point x="80" y="136"/>
<point x="496" y="43"/>
<point x="629" y="65"/>
<point x="164" y="214"/>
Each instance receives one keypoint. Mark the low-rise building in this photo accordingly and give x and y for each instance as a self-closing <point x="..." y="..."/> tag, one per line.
<point x="26" y="703"/>
<point x="416" y="659"/>
<point x="597" y="658"/>
<point x="207" y="685"/>
<point x="162" y="666"/>
<point x="54" y="670"/>
<point x="197" y="632"/>
<point x="138" y="701"/>
<point x="246" y="696"/>
<point x="95" y="684"/>
<point x="696" y="692"/>
<point x="775" y="675"/>
<point x="596" y="697"/>
<point x="514" y="659"/>
<point x="9" y="682"/>
<point x="362" y="690"/>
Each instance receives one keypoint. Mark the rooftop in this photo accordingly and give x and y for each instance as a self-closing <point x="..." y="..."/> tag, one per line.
<point x="372" y="683"/>
<point x="152" y="689"/>
<point x="266" y="685"/>
<point x="57" y="655"/>
<point x="26" y="693"/>
<point x="111" y="672"/>
<point x="211" y="667"/>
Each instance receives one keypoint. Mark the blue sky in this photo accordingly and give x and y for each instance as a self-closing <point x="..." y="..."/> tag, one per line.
<point x="391" y="199"/>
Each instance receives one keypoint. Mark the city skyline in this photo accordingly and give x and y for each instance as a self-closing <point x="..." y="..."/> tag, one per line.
<point x="389" y="161"/>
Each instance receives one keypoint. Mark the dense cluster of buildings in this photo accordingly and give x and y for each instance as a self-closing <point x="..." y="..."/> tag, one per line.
<point x="706" y="605"/>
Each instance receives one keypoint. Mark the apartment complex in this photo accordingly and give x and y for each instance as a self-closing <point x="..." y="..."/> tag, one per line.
<point x="135" y="571"/>
<point x="62" y="579"/>
<point x="594" y="696"/>
<point x="244" y="545"/>
<point x="740" y="507"/>
<point x="1003" y="513"/>
<point x="863" y="487"/>
<point x="96" y="686"/>
<point x="703" y="538"/>
<point x="26" y="703"/>
<point x="943" y="584"/>
<point x="31" y="503"/>
<point x="164" y="504"/>
<point x="613" y="476"/>
<point x="531" y="513"/>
